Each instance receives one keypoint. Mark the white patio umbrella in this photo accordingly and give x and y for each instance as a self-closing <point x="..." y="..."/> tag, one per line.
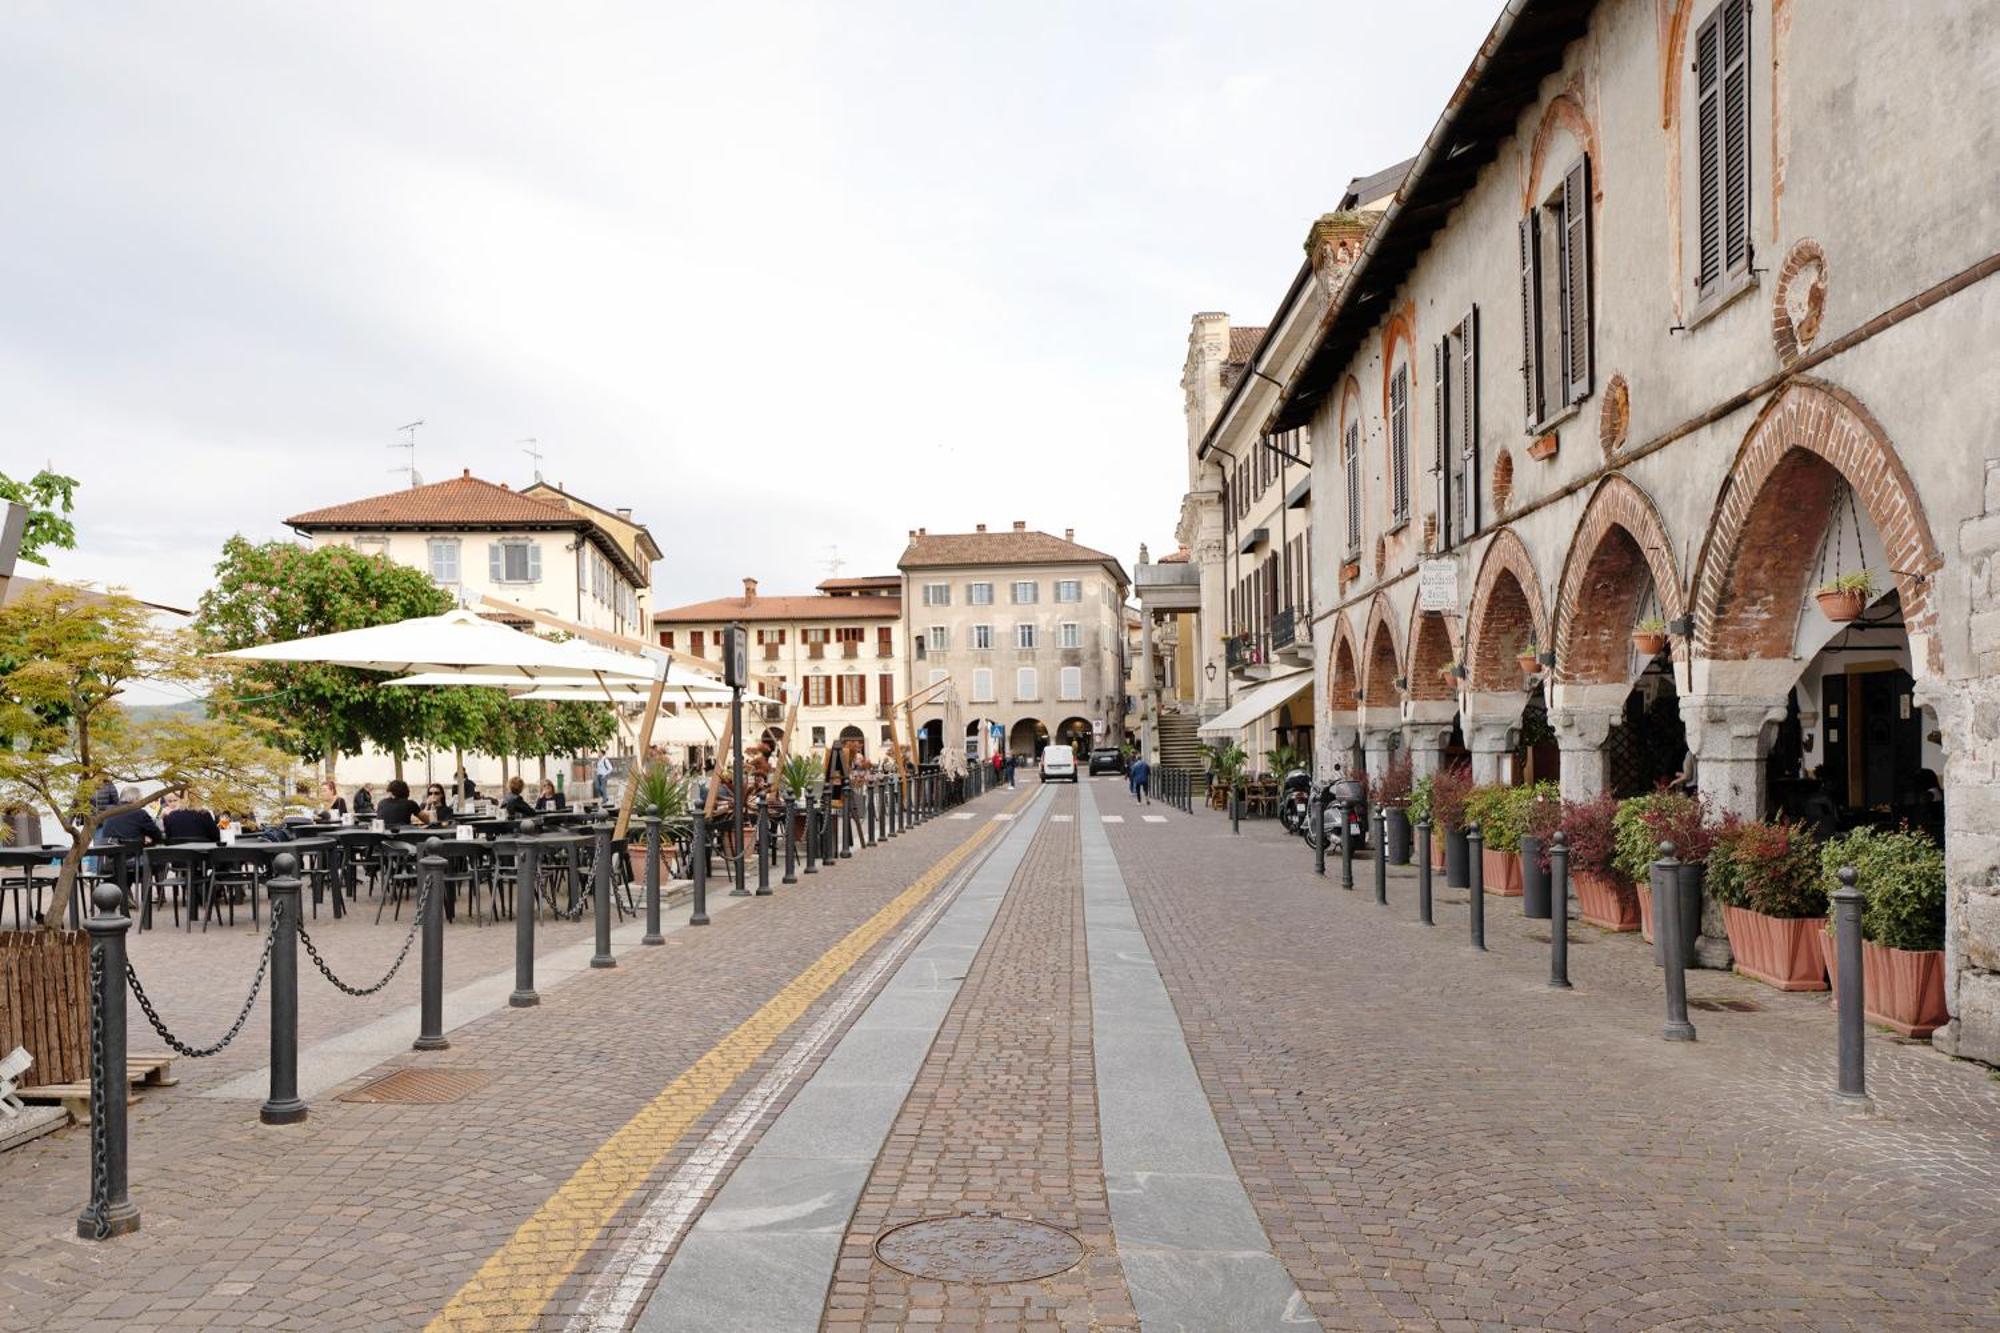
<point x="467" y="647"/>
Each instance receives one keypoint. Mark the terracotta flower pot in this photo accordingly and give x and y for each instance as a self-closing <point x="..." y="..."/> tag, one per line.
<point x="1647" y="642"/>
<point x="1902" y="989"/>
<point x="1500" y="872"/>
<point x="1437" y="848"/>
<point x="1778" y="951"/>
<point x="1604" y="902"/>
<point x="1840" y="605"/>
<point x="1529" y="666"/>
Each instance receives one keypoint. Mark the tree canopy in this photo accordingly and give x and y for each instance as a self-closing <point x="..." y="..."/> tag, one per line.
<point x="49" y="498"/>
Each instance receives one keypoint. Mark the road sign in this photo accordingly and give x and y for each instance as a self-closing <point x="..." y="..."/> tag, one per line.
<point x="736" y="656"/>
<point x="1437" y="585"/>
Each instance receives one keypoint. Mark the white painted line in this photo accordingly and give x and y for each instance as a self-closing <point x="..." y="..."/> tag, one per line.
<point x="1114" y="819"/>
<point x="1154" y="819"/>
<point x="1003" y="815"/>
<point x="961" y="815"/>
<point x="1061" y="819"/>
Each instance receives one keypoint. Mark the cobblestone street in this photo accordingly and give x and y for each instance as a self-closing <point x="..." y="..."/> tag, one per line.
<point x="1378" y="1127"/>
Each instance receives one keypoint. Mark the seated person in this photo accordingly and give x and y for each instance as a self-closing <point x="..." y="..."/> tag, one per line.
<point x="134" y="827"/>
<point x="330" y="800"/>
<point x="549" y="798"/>
<point x="364" y="801"/>
<point x="436" y="809"/>
<point x="188" y="822"/>
<point x="516" y="805"/>
<point x="397" y="810"/>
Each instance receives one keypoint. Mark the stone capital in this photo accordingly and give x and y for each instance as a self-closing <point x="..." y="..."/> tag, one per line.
<point x="1731" y="726"/>
<point x="1582" y="728"/>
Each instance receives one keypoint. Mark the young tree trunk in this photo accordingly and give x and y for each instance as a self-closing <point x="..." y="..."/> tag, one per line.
<point x="399" y="765"/>
<point x="72" y="867"/>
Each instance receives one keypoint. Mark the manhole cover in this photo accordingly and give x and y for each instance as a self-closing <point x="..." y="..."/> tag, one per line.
<point x="1733" y="1006"/>
<point x="978" y="1248"/>
<point x="422" y="1087"/>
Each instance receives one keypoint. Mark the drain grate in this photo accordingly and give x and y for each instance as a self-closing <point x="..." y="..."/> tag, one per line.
<point x="420" y="1087"/>
<point x="978" y="1247"/>
<point x="1732" y="1006"/>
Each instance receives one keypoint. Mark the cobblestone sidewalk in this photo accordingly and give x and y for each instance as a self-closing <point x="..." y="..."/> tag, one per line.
<point x="1435" y="1140"/>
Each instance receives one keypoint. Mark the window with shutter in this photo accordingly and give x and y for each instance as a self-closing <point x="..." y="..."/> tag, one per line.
<point x="1399" y="443"/>
<point x="1576" y="268"/>
<point x="1467" y="425"/>
<point x="1071" y="684"/>
<point x="982" y="685"/>
<point x="1024" y="635"/>
<point x="1531" y="316"/>
<point x="496" y="568"/>
<point x="1351" y="461"/>
<point x="1441" y="438"/>
<point x="1027" y="687"/>
<point x="885" y="688"/>
<point x="696" y="642"/>
<point x="1722" y="146"/>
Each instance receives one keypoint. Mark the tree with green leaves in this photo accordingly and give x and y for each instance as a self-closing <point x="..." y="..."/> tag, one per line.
<point x="66" y="655"/>
<point x="49" y="498"/>
<point x="278" y="591"/>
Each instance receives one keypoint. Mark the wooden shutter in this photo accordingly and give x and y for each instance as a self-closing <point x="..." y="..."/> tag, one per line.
<point x="1399" y="441"/>
<point x="1531" y="316"/>
<point x="496" y="565"/>
<point x="1576" y="328"/>
<point x="1736" y="135"/>
<point x="885" y="688"/>
<point x="696" y="642"/>
<point x="1353" y="465"/>
<point x="1708" y="150"/>
<point x="1468" y="424"/>
<point x="1440" y="439"/>
<point x="534" y="562"/>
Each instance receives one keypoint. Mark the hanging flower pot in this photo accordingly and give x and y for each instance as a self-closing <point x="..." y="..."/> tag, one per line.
<point x="1650" y="637"/>
<point x="1530" y="665"/>
<point x="1844" y="599"/>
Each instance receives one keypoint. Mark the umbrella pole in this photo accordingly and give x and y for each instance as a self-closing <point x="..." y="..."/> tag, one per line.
<point x="645" y="733"/>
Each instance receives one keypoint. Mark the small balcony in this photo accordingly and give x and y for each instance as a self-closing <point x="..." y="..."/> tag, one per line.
<point x="770" y="652"/>
<point x="815" y="650"/>
<point x="1291" y="637"/>
<point x="850" y="649"/>
<point x="1248" y="654"/>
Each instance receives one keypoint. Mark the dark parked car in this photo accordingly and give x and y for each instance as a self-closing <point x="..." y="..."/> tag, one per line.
<point x="1107" y="759"/>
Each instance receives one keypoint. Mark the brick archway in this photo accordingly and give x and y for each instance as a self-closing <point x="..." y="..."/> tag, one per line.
<point x="1620" y="550"/>
<point x="1432" y="647"/>
<point x="1382" y="663"/>
<point x="1507" y="608"/>
<point x="1343" y="676"/>
<point x="1759" y="558"/>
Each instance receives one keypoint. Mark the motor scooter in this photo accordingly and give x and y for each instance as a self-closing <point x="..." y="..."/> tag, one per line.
<point x="1355" y="793"/>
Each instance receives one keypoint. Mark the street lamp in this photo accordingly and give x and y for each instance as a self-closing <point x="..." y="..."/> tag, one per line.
<point x="1209" y="671"/>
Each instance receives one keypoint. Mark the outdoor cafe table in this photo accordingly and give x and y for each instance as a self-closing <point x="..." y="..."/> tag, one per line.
<point x="572" y="844"/>
<point x="252" y="850"/>
<point x="26" y="860"/>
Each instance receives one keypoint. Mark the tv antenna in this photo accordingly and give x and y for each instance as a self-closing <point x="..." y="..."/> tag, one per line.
<point x="534" y="451"/>
<point x="834" y="564"/>
<point x="409" y="443"/>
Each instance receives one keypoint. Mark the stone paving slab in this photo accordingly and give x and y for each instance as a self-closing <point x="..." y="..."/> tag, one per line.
<point x="1433" y="1139"/>
<point x="372" y="1216"/>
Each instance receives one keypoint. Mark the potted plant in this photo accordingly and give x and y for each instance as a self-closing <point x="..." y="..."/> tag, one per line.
<point x="1529" y="655"/>
<point x="1497" y="811"/>
<point x="1541" y="817"/>
<point x="658" y="790"/>
<point x="1641" y="825"/>
<point x="1449" y="789"/>
<point x="1604" y="896"/>
<point x="1649" y="636"/>
<point x="1418" y="808"/>
<point x="1390" y="792"/>
<point x="1844" y="598"/>
<point x="1767" y="878"/>
<point x="1284" y="759"/>
<point x="1902" y="925"/>
<point x="1449" y="671"/>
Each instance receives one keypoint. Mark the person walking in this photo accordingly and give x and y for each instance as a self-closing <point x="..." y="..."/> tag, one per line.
<point x="1010" y="768"/>
<point x="600" y="780"/>
<point x="1139" y="777"/>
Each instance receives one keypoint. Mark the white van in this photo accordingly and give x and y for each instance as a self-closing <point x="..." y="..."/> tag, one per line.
<point x="1058" y="764"/>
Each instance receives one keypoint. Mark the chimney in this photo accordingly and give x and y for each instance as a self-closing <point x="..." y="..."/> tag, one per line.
<point x="1069" y="534"/>
<point x="749" y="591"/>
<point x="625" y="513"/>
<point x="979" y="527"/>
<point x="913" y="534"/>
<point x="923" y="532"/>
<point x="467" y="474"/>
<point x="1019" y="526"/>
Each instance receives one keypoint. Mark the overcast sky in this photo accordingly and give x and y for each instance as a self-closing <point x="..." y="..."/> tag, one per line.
<point x="781" y="277"/>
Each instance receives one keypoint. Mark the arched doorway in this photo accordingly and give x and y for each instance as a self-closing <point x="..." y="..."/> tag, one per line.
<point x="1343" y="699"/>
<point x="855" y="734"/>
<point x="1506" y="642"/>
<point x="1027" y="737"/>
<point x="983" y="738"/>
<point x="1381" y="696"/>
<point x="1075" y="732"/>
<point x="1616" y="704"/>
<point x="930" y="741"/>
<point x="1430" y="688"/>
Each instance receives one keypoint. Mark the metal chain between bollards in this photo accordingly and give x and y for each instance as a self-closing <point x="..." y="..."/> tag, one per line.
<point x="312" y="951"/>
<point x="256" y="985"/>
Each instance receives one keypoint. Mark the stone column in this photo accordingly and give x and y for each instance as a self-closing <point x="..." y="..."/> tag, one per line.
<point x="1149" y="692"/>
<point x="1582" y="716"/>
<point x="1490" y="722"/>
<point x="1378" y="743"/>
<point x="1731" y="737"/>
<point x="1968" y="714"/>
<point x="1336" y="740"/>
<point x="1426" y="733"/>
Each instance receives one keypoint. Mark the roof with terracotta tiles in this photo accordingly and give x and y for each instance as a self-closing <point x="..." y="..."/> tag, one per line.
<point x="721" y="610"/>
<point x="1017" y="546"/>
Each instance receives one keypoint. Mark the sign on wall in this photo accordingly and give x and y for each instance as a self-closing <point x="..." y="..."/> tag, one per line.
<point x="1437" y="585"/>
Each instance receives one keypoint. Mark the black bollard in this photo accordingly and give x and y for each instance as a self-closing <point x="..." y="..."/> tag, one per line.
<point x="1381" y="857"/>
<point x="600" y="896"/>
<point x="847" y="800"/>
<point x="110" y="1211"/>
<point x="1424" y="871"/>
<point x="812" y="833"/>
<point x="1852" y="1092"/>
<point x="1559" y="913"/>
<point x="1667" y="925"/>
<point x="282" y="1106"/>
<point x="870" y="798"/>
<point x="1235" y="810"/>
<point x="1346" y="846"/>
<point x="790" y="814"/>
<point x="652" y="935"/>
<point x="430" y="987"/>
<point x="699" y="844"/>
<point x="527" y="871"/>
<point x="1318" y="816"/>
<point x="763" y="849"/>
<point x="1475" y="870"/>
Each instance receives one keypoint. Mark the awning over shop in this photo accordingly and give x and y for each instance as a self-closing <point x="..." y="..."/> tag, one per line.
<point x="1249" y="707"/>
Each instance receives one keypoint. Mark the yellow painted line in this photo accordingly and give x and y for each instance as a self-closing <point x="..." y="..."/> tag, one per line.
<point x="521" y="1277"/>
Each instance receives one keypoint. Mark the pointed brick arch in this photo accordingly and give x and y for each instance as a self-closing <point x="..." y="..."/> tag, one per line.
<point x="1381" y="660"/>
<point x="1620" y="549"/>
<point x="1343" y="674"/>
<point x="1760" y="556"/>
<point x="1433" y="646"/>
<point x="1507" y="608"/>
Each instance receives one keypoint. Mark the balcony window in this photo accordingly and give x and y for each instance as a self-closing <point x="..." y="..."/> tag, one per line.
<point x="514" y="562"/>
<point x="444" y="560"/>
<point x="1071" y="635"/>
<point x="982" y="636"/>
<point x="1024" y="635"/>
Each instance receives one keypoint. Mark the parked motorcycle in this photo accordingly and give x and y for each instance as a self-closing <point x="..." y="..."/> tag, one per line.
<point x="1355" y="792"/>
<point x="1295" y="800"/>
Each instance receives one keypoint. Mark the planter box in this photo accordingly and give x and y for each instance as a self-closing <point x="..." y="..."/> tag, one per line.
<point x="1778" y="951"/>
<point x="1902" y="989"/>
<point x="1500" y="872"/>
<point x="45" y="1002"/>
<point x="1603" y="902"/>
<point x="1544" y="447"/>
<point x="1396" y="832"/>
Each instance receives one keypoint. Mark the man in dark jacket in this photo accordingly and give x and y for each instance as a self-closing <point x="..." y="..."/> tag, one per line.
<point x="189" y="823"/>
